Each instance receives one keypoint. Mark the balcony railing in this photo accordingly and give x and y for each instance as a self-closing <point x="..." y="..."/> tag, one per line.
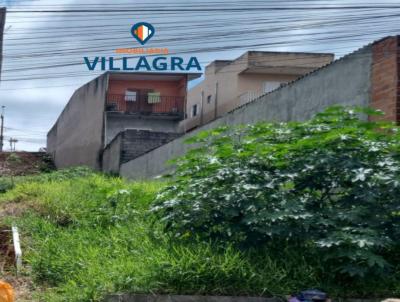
<point x="147" y="104"/>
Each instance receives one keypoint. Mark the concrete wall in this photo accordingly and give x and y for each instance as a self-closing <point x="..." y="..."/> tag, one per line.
<point x="131" y="144"/>
<point x="52" y="141"/>
<point x="118" y="122"/>
<point x="2" y="22"/>
<point x="112" y="156"/>
<point x="345" y="82"/>
<point x="77" y="136"/>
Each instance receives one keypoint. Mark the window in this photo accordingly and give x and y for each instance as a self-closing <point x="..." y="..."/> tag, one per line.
<point x="209" y="99"/>
<point x="194" y="110"/>
<point x="130" y="95"/>
<point x="153" y="97"/>
<point x="270" y="85"/>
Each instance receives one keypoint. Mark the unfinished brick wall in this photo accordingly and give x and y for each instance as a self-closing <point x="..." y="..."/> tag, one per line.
<point x="385" y="78"/>
<point x="130" y="144"/>
<point x="138" y="142"/>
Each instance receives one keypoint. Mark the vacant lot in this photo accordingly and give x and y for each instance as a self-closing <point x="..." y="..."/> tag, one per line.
<point x="24" y="163"/>
<point x="85" y="235"/>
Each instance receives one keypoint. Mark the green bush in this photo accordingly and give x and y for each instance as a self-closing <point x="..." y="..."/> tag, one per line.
<point x="331" y="184"/>
<point x="5" y="184"/>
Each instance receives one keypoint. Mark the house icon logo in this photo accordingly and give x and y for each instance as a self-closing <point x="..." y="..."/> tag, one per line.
<point x="142" y="32"/>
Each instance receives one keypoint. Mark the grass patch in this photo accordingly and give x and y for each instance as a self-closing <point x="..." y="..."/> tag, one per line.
<point x="85" y="235"/>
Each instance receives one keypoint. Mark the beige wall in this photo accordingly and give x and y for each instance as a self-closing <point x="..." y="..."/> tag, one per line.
<point x="245" y="77"/>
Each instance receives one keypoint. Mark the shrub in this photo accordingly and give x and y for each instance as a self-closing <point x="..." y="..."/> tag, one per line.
<point x="13" y="158"/>
<point x="5" y="184"/>
<point x="331" y="184"/>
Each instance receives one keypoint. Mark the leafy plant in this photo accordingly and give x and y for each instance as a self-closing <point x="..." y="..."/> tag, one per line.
<point x="12" y="161"/>
<point x="5" y="184"/>
<point x="331" y="184"/>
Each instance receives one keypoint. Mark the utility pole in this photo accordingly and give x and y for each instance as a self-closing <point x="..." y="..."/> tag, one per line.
<point x="12" y="141"/>
<point x="2" y="129"/>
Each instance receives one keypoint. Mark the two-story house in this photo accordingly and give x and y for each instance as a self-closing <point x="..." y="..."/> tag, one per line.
<point x="119" y="116"/>
<point x="229" y="84"/>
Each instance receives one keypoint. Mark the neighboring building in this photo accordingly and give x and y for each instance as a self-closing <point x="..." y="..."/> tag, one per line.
<point x="117" y="117"/>
<point x="368" y="77"/>
<point x="229" y="84"/>
<point x="2" y="22"/>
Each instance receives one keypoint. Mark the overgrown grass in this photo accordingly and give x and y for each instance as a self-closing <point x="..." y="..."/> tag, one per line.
<point x="86" y="235"/>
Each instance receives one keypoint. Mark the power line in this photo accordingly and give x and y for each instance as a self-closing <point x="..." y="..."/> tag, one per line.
<point x="197" y="50"/>
<point x="260" y="8"/>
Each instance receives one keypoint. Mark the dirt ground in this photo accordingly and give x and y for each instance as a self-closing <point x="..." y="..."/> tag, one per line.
<point x="22" y="285"/>
<point x="24" y="163"/>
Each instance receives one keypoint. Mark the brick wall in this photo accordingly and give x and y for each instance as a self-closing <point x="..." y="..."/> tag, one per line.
<point x="130" y="144"/>
<point x="385" y="78"/>
<point x="138" y="142"/>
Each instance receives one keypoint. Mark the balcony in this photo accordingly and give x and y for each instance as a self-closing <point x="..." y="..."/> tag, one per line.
<point x="147" y="105"/>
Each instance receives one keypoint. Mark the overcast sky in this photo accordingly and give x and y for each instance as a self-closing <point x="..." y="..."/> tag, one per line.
<point x="43" y="51"/>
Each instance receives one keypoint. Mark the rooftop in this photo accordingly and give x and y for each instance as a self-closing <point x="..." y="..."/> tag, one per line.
<point x="273" y="62"/>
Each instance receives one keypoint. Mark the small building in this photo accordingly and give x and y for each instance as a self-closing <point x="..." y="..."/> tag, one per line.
<point x="229" y="84"/>
<point x="2" y="23"/>
<point x="117" y="117"/>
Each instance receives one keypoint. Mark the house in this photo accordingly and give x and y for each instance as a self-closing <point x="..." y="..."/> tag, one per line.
<point x="2" y="22"/>
<point x="229" y="84"/>
<point x="117" y="117"/>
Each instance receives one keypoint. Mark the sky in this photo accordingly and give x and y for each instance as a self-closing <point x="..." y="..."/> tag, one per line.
<point x="45" y="42"/>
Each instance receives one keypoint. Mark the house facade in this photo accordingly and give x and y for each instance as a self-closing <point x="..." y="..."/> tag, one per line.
<point x="229" y="84"/>
<point x="124" y="113"/>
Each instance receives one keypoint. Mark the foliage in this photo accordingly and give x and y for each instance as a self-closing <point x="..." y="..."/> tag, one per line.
<point x="85" y="235"/>
<point x="5" y="184"/>
<point x="330" y="185"/>
<point x="47" y="164"/>
<point x="13" y="158"/>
